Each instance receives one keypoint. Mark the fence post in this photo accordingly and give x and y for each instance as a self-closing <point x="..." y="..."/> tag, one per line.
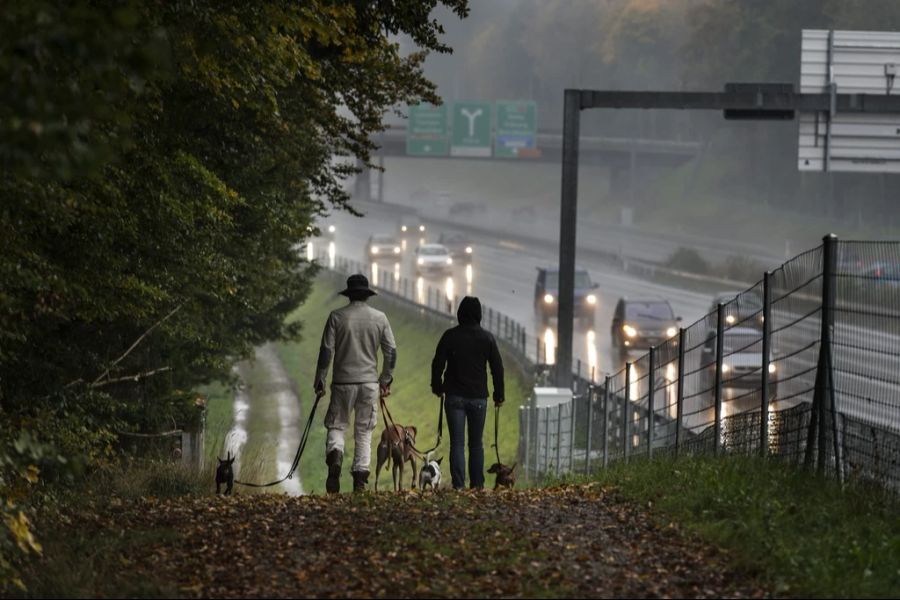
<point x="766" y="360"/>
<point x="558" y="435"/>
<point x="606" y="423"/>
<point x="829" y="289"/>
<point x="546" y="461"/>
<point x="572" y="437"/>
<point x="720" y="354"/>
<point x="679" y="399"/>
<point x="650" y="414"/>
<point x="534" y="433"/>
<point x="590" y="427"/>
<point x="625" y="410"/>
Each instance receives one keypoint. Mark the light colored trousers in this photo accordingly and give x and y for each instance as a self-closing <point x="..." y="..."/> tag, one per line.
<point x="363" y="399"/>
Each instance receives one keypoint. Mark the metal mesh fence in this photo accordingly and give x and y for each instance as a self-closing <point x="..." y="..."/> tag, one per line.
<point x="762" y="375"/>
<point x="698" y="402"/>
<point x="665" y="394"/>
<point x="865" y="352"/>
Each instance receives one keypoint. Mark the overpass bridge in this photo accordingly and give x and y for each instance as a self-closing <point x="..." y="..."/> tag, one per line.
<point x="626" y="158"/>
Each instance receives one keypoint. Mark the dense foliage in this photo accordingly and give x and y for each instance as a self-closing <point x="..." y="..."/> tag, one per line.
<point x="161" y="161"/>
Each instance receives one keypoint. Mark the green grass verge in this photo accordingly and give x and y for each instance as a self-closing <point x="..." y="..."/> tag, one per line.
<point x="411" y="402"/>
<point x="800" y="534"/>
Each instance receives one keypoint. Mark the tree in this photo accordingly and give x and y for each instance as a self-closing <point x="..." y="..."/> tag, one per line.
<point x="171" y="156"/>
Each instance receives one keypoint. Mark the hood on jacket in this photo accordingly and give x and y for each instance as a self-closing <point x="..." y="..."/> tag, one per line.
<point x="469" y="312"/>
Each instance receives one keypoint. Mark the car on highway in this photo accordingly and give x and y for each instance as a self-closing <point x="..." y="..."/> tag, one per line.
<point x="639" y="323"/>
<point x="546" y="295"/>
<point x="432" y="259"/>
<point x="459" y="245"/>
<point x="746" y="312"/>
<point x="383" y="247"/>
<point x="412" y="224"/>
<point x="741" y="362"/>
<point x="883" y="272"/>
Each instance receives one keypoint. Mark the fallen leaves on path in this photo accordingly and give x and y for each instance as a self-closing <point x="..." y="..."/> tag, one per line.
<point x="581" y="541"/>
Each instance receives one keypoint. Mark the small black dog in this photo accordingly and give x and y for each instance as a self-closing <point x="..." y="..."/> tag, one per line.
<point x="224" y="474"/>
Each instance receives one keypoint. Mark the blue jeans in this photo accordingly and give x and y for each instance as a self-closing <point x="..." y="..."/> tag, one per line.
<point x="460" y="411"/>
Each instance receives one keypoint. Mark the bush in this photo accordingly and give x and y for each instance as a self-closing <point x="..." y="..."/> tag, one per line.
<point x="688" y="259"/>
<point x="741" y="268"/>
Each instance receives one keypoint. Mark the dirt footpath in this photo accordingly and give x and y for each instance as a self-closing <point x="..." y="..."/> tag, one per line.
<point x="567" y="541"/>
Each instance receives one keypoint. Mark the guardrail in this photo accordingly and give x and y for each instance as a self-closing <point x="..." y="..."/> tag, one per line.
<point x="804" y="365"/>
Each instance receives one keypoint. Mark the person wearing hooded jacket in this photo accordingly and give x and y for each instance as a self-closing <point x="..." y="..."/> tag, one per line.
<point x="459" y="372"/>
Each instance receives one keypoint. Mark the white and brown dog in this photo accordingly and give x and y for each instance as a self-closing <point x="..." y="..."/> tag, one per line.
<point x="430" y="473"/>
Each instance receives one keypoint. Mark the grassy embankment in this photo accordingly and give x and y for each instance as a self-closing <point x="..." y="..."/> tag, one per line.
<point x="799" y="534"/>
<point x="411" y="402"/>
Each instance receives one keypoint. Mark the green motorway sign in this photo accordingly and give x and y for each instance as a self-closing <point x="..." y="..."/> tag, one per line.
<point x="516" y="129"/>
<point x="471" y="129"/>
<point x="426" y="134"/>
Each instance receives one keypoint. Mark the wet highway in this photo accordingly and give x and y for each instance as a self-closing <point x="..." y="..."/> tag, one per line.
<point x="503" y="274"/>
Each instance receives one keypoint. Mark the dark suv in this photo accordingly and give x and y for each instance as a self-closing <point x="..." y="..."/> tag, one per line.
<point x="639" y="323"/>
<point x="546" y="295"/>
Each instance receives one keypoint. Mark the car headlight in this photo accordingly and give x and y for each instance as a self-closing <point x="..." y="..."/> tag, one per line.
<point x="396" y="249"/>
<point x="772" y="368"/>
<point x="671" y="331"/>
<point x="468" y="249"/>
<point x="449" y="261"/>
<point x="725" y="367"/>
<point x="421" y="261"/>
<point x="548" y="298"/>
<point x="421" y="228"/>
<point x="403" y="228"/>
<point x="629" y="330"/>
<point x="591" y="299"/>
<point x="374" y="249"/>
<point x="730" y="319"/>
<point x="331" y="229"/>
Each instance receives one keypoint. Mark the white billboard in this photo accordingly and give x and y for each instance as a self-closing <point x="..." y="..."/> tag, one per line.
<point x="856" y="62"/>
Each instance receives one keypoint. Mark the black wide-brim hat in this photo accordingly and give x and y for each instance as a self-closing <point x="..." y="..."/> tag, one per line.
<point x="358" y="285"/>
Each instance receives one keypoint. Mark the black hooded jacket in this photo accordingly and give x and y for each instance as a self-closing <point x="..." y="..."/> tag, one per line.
<point x="460" y="362"/>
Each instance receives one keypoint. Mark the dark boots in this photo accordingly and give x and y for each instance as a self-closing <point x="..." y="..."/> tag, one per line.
<point x="360" y="480"/>
<point x="334" y="460"/>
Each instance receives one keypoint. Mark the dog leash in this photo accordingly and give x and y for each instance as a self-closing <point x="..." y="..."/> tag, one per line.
<point x="440" y="431"/>
<point x="390" y="425"/>
<point x="496" y="428"/>
<point x="300" y="448"/>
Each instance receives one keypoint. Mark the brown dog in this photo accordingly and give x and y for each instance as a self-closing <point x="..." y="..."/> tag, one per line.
<point x="397" y="443"/>
<point x="506" y="476"/>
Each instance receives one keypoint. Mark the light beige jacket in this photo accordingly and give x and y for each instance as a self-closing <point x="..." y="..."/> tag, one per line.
<point x="352" y="337"/>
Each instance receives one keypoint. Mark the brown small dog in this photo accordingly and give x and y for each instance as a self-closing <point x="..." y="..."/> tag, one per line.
<point x="506" y="476"/>
<point x="397" y="443"/>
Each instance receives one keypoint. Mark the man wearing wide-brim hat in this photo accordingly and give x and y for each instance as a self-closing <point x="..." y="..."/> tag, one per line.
<point x="352" y="337"/>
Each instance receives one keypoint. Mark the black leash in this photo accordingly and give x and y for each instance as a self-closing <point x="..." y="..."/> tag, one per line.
<point x="496" y="428"/>
<point x="300" y="448"/>
<point x="440" y="431"/>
